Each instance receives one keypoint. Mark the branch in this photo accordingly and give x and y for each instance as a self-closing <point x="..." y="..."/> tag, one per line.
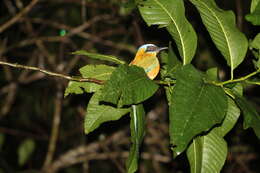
<point x="92" y="80"/>
<point x="241" y="79"/>
<point x="18" y="16"/>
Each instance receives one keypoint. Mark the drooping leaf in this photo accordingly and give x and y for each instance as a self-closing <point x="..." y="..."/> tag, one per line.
<point x="251" y="116"/>
<point x="97" y="113"/>
<point x="128" y="85"/>
<point x="207" y="154"/>
<point x="254" y="17"/>
<point x="233" y="113"/>
<point x="25" y="151"/>
<point x="222" y="28"/>
<point x="100" y="72"/>
<point x="137" y="125"/>
<point x="102" y="57"/>
<point x="195" y="107"/>
<point x="171" y="14"/>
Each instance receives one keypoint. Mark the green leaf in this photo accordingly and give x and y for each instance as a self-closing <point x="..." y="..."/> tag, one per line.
<point x="251" y="117"/>
<point x="195" y="107"/>
<point x="255" y="48"/>
<point x="100" y="72"/>
<point x="25" y="151"/>
<point x="254" y="17"/>
<point x="128" y="85"/>
<point x="170" y="63"/>
<point x="223" y="31"/>
<point x="171" y="14"/>
<point x="207" y="154"/>
<point x="230" y="120"/>
<point x="97" y="113"/>
<point x="212" y="74"/>
<point x="109" y="58"/>
<point x="255" y="44"/>
<point x="254" y="3"/>
<point x="137" y="125"/>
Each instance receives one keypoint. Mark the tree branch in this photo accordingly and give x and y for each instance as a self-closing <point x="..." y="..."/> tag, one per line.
<point x="78" y="79"/>
<point x="18" y="16"/>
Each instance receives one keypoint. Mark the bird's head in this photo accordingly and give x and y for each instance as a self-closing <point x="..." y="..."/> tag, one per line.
<point x="150" y="49"/>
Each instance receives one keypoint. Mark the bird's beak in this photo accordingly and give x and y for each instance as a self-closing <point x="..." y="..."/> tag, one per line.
<point x="161" y="48"/>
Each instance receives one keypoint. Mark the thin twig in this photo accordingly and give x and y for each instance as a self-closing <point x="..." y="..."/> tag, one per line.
<point x="92" y="80"/>
<point x="54" y="129"/>
<point x="18" y="16"/>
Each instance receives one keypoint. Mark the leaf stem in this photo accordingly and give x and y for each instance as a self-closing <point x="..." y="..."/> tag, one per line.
<point x="244" y="78"/>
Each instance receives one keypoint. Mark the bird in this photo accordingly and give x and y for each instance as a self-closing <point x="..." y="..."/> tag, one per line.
<point x="146" y="57"/>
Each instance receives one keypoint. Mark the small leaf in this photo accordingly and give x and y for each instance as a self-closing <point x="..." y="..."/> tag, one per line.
<point x="128" y="85"/>
<point x="212" y="74"/>
<point x="170" y="63"/>
<point x="110" y="58"/>
<point x="255" y="44"/>
<point x="97" y="113"/>
<point x="207" y="154"/>
<point x="25" y="151"/>
<point x="251" y="117"/>
<point x="254" y="3"/>
<point x="195" y="107"/>
<point x="137" y="125"/>
<point x="222" y="28"/>
<point x="171" y="14"/>
<point x="100" y="72"/>
<point x="254" y="17"/>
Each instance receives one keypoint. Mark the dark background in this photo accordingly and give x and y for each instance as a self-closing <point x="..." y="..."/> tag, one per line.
<point x="32" y="104"/>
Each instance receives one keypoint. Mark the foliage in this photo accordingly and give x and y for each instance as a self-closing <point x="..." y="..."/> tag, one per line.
<point x="199" y="85"/>
<point x="201" y="111"/>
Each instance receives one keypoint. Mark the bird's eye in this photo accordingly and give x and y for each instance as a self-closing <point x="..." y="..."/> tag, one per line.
<point x="151" y="48"/>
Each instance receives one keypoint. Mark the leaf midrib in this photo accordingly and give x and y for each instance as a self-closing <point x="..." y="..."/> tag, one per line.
<point x="178" y="30"/>
<point x="222" y="27"/>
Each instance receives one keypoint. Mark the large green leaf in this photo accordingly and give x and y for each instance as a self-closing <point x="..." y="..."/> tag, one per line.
<point x="195" y="107"/>
<point x="137" y="125"/>
<point x="128" y="85"/>
<point x="110" y="58"/>
<point x="97" y="113"/>
<point x="171" y="14"/>
<point x="100" y="72"/>
<point x="25" y="150"/>
<point x="207" y="154"/>
<point x="254" y="17"/>
<point x="251" y="117"/>
<point x="223" y="31"/>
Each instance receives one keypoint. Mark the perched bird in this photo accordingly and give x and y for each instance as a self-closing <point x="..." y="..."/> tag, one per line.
<point x="146" y="58"/>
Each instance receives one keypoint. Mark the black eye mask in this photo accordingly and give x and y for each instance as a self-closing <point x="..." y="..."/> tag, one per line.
<point x="151" y="49"/>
